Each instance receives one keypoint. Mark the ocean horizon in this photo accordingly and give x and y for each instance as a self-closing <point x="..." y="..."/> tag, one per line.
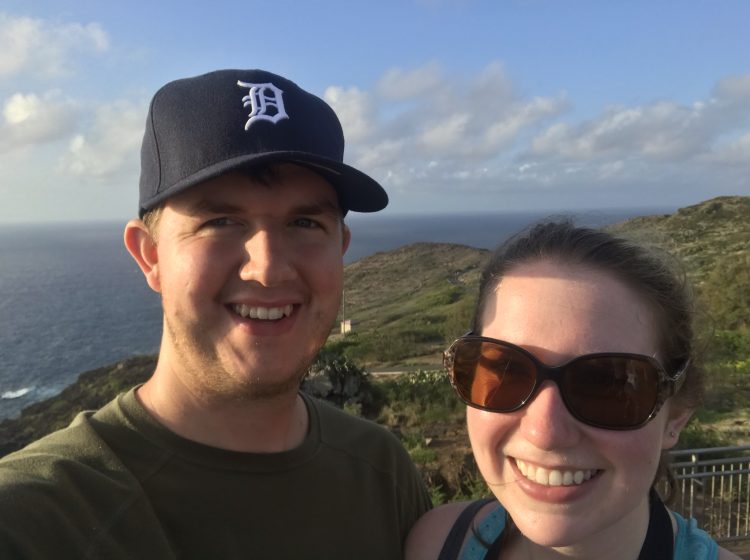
<point x="73" y="300"/>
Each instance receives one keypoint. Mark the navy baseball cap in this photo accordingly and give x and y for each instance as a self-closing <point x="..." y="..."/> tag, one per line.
<point x="202" y="127"/>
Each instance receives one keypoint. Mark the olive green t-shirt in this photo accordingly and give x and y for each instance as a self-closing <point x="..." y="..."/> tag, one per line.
<point x="116" y="484"/>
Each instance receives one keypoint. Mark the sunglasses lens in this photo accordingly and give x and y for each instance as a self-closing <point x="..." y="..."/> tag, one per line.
<point x="492" y="376"/>
<point x="611" y="392"/>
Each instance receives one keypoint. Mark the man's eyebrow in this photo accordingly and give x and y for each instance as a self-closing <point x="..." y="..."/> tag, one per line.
<point x="323" y="206"/>
<point x="207" y="206"/>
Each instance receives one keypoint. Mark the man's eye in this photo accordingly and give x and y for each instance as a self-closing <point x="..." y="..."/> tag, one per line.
<point x="219" y="222"/>
<point x="306" y="223"/>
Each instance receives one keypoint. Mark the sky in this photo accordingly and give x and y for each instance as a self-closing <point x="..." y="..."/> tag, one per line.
<point x="453" y="105"/>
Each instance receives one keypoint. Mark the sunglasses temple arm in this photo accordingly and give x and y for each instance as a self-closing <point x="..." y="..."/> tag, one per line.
<point x="679" y="379"/>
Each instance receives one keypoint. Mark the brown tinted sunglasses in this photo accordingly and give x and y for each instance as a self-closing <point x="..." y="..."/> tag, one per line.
<point x="611" y="390"/>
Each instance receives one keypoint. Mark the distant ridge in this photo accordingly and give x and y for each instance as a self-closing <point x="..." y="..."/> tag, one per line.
<point x="703" y="236"/>
<point x="382" y="288"/>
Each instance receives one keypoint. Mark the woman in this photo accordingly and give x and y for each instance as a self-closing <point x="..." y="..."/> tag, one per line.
<point x="578" y="376"/>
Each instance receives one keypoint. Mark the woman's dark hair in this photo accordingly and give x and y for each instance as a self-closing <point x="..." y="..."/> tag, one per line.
<point x="653" y="277"/>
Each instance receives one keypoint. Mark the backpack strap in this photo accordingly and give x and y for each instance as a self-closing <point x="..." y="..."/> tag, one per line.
<point x="455" y="538"/>
<point x="659" y="542"/>
<point x="494" y="550"/>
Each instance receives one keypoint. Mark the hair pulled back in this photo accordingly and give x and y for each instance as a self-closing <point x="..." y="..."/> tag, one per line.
<point x="652" y="277"/>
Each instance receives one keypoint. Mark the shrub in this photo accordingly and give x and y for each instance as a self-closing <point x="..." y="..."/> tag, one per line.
<point x="337" y="379"/>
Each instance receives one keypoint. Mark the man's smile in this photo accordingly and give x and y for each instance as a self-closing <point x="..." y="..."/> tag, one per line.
<point x="261" y="312"/>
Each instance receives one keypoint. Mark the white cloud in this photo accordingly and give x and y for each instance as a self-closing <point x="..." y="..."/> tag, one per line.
<point x="31" y="119"/>
<point x="45" y="48"/>
<point x="492" y="86"/>
<point x="505" y="131"/>
<point x="663" y="132"/>
<point x="420" y="128"/>
<point x="401" y="84"/>
<point x="734" y="88"/>
<point x="20" y="108"/>
<point x="443" y="134"/>
<point x="734" y="152"/>
<point x="110" y="146"/>
<point x="459" y="142"/>
<point x="381" y="154"/>
<point x="354" y="109"/>
<point x="463" y="138"/>
<point x="660" y="131"/>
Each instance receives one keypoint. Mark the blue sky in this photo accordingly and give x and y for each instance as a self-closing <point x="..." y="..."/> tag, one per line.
<point x="454" y="105"/>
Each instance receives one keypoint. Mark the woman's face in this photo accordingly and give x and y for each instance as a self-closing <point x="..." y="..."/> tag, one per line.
<point x="529" y="457"/>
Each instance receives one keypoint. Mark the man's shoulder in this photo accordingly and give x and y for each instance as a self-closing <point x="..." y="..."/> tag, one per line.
<point x="70" y="465"/>
<point x="58" y="460"/>
<point x="360" y="438"/>
<point x="359" y="448"/>
<point x="70" y="487"/>
<point x="41" y="483"/>
<point x="339" y="424"/>
<point x="59" y="445"/>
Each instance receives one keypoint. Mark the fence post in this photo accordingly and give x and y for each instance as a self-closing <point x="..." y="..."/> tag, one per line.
<point x="691" y="510"/>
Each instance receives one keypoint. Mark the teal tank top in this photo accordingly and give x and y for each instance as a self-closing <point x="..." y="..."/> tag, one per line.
<point x="691" y="543"/>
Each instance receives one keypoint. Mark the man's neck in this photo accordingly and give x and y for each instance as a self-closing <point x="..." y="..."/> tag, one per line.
<point x="267" y="425"/>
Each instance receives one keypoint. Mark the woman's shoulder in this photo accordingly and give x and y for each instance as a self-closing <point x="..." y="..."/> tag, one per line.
<point x="428" y="534"/>
<point x="725" y="554"/>
<point x="426" y="539"/>
<point x="691" y="542"/>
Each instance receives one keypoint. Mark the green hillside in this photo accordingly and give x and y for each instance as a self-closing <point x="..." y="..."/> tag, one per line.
<point x="406" y="304"/>
<point x="712" y="241"/>
<point x="704" y="237"/>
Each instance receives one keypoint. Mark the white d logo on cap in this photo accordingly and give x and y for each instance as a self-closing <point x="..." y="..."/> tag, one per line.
<point x="263" y="98"/>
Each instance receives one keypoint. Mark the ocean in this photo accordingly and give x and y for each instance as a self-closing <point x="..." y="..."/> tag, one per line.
<point x="72" y="299"/>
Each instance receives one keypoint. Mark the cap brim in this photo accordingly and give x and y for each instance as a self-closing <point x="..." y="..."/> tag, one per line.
<point x="356" y="191"/>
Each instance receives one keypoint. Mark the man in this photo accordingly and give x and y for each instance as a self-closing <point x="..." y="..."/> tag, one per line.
<point x="242" y="197"/>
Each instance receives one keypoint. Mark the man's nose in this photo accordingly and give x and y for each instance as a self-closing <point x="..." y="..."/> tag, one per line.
<point x="266" y="259"/>
<point x="546" y="421"/>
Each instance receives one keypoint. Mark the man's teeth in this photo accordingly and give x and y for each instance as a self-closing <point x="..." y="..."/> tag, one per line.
<point x="554" y="477"/>
<point x="256" y="312"/>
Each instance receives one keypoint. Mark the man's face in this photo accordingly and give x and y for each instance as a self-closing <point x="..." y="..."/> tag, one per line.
<point x="250" y="277"/>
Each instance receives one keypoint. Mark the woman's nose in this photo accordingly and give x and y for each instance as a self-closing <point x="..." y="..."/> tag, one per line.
<point x="546" y="422"/>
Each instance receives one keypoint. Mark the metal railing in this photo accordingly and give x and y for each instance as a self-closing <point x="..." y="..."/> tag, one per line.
<point x="713" y="486"/>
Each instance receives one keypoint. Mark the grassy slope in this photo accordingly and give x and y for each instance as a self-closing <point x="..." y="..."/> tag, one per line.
<point x="702" y="236"/>
<point x="406" y="304"/>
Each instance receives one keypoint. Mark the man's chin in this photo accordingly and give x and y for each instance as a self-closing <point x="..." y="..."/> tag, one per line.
<point x="259" y="391"/>
<point x="256" y="389"/>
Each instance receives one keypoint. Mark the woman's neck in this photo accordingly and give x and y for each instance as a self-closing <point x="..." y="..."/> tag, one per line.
<point x="620" y="541"/>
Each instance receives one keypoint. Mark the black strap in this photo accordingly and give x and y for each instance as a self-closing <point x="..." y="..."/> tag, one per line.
<point x="494" y="550"/>
<point x="659" y="543"/>
<point x="455" y="538"/>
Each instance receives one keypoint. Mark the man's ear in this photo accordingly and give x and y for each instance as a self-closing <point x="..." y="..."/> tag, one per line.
<point x="346" y="237"/>
<point x="142" y="247"/>
<point x="678" y="418"/>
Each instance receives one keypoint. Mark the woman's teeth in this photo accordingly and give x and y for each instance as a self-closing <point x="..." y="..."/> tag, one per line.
<point x="554" y="477"/>
<point x="256" y="312"/>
